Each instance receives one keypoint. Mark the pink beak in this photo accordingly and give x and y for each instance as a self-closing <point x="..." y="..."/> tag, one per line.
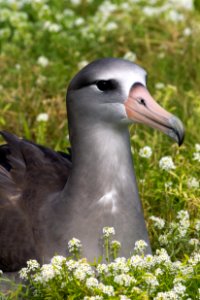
<point x="142" y="108"/>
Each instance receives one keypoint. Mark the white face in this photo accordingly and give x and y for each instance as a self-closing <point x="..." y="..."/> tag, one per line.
<point x="126" y="77"/>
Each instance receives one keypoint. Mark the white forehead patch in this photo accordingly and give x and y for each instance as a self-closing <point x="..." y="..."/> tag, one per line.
<point x="126" y="77"/>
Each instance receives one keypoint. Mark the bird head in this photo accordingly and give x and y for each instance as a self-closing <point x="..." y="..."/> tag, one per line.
<point x="113" y="91"/>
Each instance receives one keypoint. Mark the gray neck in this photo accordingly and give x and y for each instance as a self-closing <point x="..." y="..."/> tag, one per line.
<point x="102" y="165"/>
<point x="101" y="191"/>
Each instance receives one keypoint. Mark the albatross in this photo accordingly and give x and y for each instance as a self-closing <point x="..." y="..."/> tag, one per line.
<point x="46" y="198"/>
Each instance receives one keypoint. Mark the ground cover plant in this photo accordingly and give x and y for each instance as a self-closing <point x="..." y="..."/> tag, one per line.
<point x="43" y="43"/>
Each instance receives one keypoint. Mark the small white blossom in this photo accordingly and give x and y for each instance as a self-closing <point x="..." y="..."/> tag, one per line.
<point x="124" y="279"/>
<point x="102" y="268"/>
<point x="197" y="225"/>
<point x="187" y="31"/>
<point x="43" y="61"/>
<point x="48" y="272"/>
<point x="130" y="56"/>
<point x="151" y="280"/>
<point x="111" y="26"/>
<point x="197" y="147"/>
<point x="179" y="289"/>
<point x="194" y="242"/>
<point x="166" y="163"/>
<point x="170" y="295"/>
<point x="196" y="156"/>
<point x="58" y="260"/>
<point x="119" y="265"/>
<point x="75" y="2"/>
<point x="124" y="297"/>
<point x="175" y="16"/>
<point x="193" y="183"/>
<point x="158" y="222"/>
<point x="74" y="245"/>
<point x="93" y="298"/>
<point x="79" y="21"/>
<point x="1" y="272"/>
<point x="42" y="117"/>
<point x="136" y="261"/>
<point x="145" y="152"/>
<point x="163" y="239"/>
<point x="106" y="289"/>
<point x="32" y="265"/>
<point x="159" y="86"/>
<point x="71" y="264"/>
<point x="91" y="282"/>
<point x="168" y="184"/>
<point x="140" y="246"/>
<point x="108" y="231"/>
<point x="23" y="273"/>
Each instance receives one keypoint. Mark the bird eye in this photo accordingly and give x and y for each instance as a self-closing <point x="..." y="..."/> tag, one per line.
<point x="105" y="85"/>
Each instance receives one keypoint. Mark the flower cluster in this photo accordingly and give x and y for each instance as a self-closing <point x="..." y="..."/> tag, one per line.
<point x="145" y="152"/>
<point x="166" y="163"/>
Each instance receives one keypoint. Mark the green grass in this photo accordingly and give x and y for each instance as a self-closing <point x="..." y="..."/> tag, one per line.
<point x="166" y="48"/>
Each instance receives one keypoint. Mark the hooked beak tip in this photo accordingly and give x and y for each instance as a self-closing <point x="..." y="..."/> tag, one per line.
<point x="177" y="131"/>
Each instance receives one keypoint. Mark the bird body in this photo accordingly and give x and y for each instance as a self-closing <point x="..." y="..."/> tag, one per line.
<point x="46" y="199"/>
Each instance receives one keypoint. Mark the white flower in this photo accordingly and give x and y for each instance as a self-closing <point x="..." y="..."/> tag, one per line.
<point x="196" y="156"/>
<point x="145" y="152"/>
<point x="140" y="246"/>
<point x="23" y="273"/>
<point x="166" y="163"/>
<point x="159" y="86"/>
<point x="137" y="261"/>
<point x="108" y="231"/>
<point x="175" y="16"/>
<point x="151" y="280"/>
<point x="74" y="245"/>
<point x="194" y="242"/>
<point x="170" y="295"/>
<point x="124" y="279"/>
<point x="1" y="272"/>
<point x="92" y="282"/>
<point x="83" y="271"/>
<point x="43" y="61"/>
<point x="197" y="147"/>
<point x="43" y="117"/>
<point x="79" y="21"/>
<point x="111" y="26"/>
<point x="106" y="289"/>
<point x="48" y="272"/>
<point x="72" y="264"/>
<point x="197" y="225"/>
<point x="93" y="298"/>
<point x="186" y="4"/>
<point x="163" y="239"/>
<point x="130" y="56"/>
<point x="32" y="265"/>
<point x="75" y="2"/>
<point x="193" y="183"/>
<point x="18" y="66"/>
<point x="123" y="297"/>
<point x="115" y="244"/>
<point x="52" y="27"/>
<point x="119" y="265"/>
<point x="187" y="31"/>
<point x="168" y="184"/>
<point x="179" y="289"/>
<point x="159" y="271"/>
<point x="58" y="260"/>
<point x="102" y="268"/>
<point x="158" y="222"/>
<point x="194" y="259"/>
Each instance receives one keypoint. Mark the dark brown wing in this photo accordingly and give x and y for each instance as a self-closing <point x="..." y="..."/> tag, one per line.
<point x="29" y="174"/>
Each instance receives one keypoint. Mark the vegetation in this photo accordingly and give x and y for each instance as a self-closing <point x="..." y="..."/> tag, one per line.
<point x="43" y="44"/>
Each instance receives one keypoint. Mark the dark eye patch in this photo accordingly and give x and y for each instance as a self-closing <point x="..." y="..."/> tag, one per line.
<point x="106" y="85"/>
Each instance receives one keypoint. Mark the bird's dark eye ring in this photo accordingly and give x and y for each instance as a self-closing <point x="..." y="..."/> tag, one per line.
<point x="104" y="85"/>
